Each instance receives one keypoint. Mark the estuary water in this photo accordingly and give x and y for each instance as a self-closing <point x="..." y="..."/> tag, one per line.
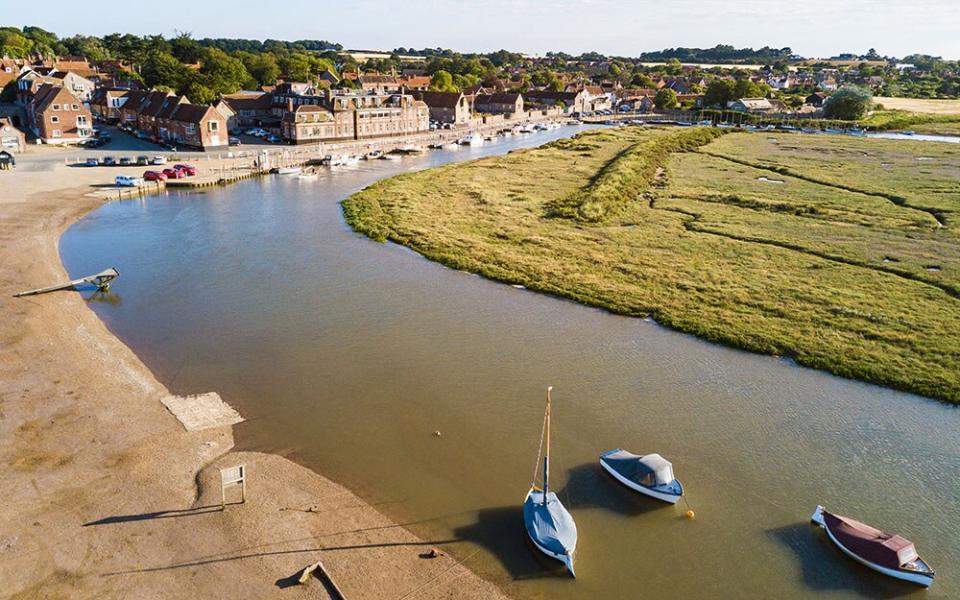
<point x="347" y="356"/>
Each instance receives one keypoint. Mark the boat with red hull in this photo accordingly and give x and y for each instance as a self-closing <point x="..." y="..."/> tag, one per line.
<point x="886" y="553"/>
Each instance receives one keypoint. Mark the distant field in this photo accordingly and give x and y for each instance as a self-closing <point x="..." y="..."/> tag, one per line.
<point x="839" y="252"/>
<point x="921" y="105"/>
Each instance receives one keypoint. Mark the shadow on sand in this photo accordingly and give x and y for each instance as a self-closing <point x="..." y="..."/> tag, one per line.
<point x="160" y="514"/>
<point x="825" y="568"/>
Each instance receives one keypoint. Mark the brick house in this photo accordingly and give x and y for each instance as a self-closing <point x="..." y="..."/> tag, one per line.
<point x="379" y="84"/>
<point x="508" y="104"/>
<point x="447" y="107"/>
<point x="107" y="102"/>
<point x="199" y="126"/>
<point x="58" y="117"/>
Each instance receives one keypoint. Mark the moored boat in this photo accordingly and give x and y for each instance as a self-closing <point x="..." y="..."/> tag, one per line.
<point x="549" y="525"/>
<point x="886" y="553"/>
<point x="651" y="474"/>
<point x="474" y="139"/>
<point x="288" y="170"/>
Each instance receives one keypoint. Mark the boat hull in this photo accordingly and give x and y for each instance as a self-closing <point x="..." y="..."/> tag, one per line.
<point x="566" y="559"/>
<point x="665" y="497"/>
<point x="918" y="578"/>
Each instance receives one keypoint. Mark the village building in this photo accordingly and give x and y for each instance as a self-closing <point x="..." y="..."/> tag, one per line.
<point x="58" y="117"/>
<point x="455" y="108"/>
<point x="504" y="103"/>
<point x="252" y="109"/>
<point x="11" y="138"/>
<point x="167" y="117"/>
<point x="816" y="99"/>
<point x="353" y="117"/>
<point x="414" y="83"/>
<point x="572" y="102"/>
<point x="107" y="102"/>
<point x="379" y="84"/>
<point x="751" y="105"/>
<point x="30" y="81"/>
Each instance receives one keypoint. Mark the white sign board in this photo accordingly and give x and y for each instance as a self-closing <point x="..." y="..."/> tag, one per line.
<point x="232" y="476"/>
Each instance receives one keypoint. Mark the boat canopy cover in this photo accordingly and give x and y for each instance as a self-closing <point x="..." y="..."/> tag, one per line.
<point x="878" y="547"/>
<point x="550" y="525"/>
<point x="636" y="467"/>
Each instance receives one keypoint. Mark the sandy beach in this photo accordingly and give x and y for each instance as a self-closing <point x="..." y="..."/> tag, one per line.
<point x="107" y="495"/>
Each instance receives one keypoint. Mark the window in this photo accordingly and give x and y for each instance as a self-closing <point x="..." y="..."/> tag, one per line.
<point x="56" y="133"/>
<point x="56" y="107"/>
<point x="54" y="119"/>
<point x="214" y="126"/>
<point x="75" y="107"/>
<point x="81" y="120"/>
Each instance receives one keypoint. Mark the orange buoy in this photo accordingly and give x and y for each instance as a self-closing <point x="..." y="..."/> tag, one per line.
<point x="689" y="514"/>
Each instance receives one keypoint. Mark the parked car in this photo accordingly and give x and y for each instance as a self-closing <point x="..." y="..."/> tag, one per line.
<point x="154" y="176"/>
<point x="174" y="173"/>
<point x="108" y="161"/>
<point x="158" y="160"/>
<point x="125" y="161"/>
<point x="274" y="138"/>
<point x="92" y="162"/>
<point x="100" y="133"/>
<point x="233" y="141"/>
<point x="128" y="181"/>
<point x="143" y="161"/>
<point x="188" y="169"/>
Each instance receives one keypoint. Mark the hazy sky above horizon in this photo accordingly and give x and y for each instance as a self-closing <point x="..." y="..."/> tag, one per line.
<point x="817" y="28"/>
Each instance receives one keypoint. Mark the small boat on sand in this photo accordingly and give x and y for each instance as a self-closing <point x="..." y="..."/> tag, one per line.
<point x="886" y="553"/>
<point x="651" y="474"/>
<point x="549" y="525"/>
<point x="474" y="139"/>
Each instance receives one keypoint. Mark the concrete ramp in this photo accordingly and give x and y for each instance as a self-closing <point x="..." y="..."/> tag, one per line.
<point x="201" y="411"/>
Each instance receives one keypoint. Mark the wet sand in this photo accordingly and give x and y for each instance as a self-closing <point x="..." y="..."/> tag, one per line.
<point x="108" y="496"/>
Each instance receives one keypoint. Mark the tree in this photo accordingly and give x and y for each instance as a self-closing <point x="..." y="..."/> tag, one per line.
<point x="719" y="93"/>
<point x="849" y="103"/>
<point x="665" y="98"/>
<point x="642" y="80"/>
<point x="442" y="81"/>
<point x="161" y="68"/>
<point x="222" y="73"/>
<point x="262" y="67"/>
<point x="186" y="49"/>
<point x="744" y="88"/>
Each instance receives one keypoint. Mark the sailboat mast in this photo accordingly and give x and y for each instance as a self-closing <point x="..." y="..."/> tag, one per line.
<point x="546" y="455"/>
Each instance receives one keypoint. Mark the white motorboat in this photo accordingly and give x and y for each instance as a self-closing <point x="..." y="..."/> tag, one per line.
<point x="651" y="474"/>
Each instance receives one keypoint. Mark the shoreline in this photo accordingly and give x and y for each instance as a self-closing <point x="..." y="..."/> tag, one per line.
<point x="111" y="494"/>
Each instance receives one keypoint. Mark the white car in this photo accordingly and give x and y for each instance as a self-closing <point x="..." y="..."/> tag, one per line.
<point x="128" y="181"/>
<point x="158" y="160"/>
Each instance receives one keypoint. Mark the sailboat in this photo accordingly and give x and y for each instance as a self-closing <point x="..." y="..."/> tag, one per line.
<point x="549" y="525"/>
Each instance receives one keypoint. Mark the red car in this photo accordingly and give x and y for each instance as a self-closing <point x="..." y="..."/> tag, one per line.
<point x="154" y="176"/>
<point x="174" y="173"/>
<point x="188" y="169"/>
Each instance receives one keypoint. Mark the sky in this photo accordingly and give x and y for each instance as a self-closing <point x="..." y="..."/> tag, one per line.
<point x="815" y="28"/>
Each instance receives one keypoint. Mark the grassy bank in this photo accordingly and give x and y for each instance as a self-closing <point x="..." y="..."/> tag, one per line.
<point x="891" y="120"/>
<point x="839" y="252"/>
